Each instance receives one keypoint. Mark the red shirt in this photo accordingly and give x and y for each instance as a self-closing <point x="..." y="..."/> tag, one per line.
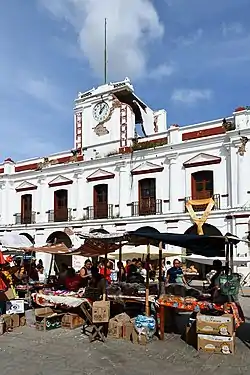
<point x="72" y="283"/>
<point x="108" y="274"/>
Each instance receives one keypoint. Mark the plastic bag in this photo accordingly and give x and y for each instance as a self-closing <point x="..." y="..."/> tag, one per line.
<point x="229" y="284"/>
<point x="145" y="325"/>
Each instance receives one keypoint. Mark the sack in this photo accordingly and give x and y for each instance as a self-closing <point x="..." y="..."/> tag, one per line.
<point x="229" y="284"/>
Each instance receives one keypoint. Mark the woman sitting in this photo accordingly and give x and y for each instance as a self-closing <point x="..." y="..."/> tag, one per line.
<point x="72" y="281"/>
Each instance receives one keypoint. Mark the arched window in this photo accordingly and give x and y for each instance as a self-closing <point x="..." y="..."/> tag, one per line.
<point x="202" y="185"/>
<point x="101" y="201"/>
<point x="147" y="196"/>
<point x="61" y="205"/>
<point x="26" y="209"/>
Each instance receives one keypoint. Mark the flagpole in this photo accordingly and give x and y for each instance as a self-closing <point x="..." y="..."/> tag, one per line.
<point x="105" y="51"/>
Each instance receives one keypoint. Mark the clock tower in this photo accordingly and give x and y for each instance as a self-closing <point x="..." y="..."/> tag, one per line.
<point x="105" y="119"/>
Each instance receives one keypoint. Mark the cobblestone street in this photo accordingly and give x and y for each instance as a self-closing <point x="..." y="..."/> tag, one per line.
<point x="61" y="352"/>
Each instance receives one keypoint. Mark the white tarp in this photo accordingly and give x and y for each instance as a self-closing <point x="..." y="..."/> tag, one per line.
<point x="15" y="241"/>
<point x="130" y="252"/>
<point x="237" y="261"/>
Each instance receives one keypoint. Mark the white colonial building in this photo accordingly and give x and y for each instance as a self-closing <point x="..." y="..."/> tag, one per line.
<point x="115" y="179"/>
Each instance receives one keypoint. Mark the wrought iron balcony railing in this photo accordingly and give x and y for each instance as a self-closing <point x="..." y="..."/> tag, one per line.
<point x="64" y="214"/>
<point x="146" y="206"/>
<point x="100" y="211"/>
<point x="25" y="218"/>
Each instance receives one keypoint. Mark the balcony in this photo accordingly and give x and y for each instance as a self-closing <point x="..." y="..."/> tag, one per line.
<point x="100" y="211"/>
<point x="147" y="206"/>
<point x="64" y="214"/>
<point x="197" y="208"/>
<point x="26" y="218"/>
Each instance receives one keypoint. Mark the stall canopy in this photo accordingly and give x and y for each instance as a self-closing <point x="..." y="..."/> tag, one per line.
<point x="98" y="243"/>
<point x="202" y="245"/>
<point x="237" y="261"/>
<point x="15" y="241"/>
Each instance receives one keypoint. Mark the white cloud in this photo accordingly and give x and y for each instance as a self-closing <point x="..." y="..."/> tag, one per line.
<point x="191" y="38"/>
<point x="161" y="71"/>
<point x="190" y="96"/>
<point x="132" y="26"/>
<point x="42" y="90"/>
<point x="234" y="28"/>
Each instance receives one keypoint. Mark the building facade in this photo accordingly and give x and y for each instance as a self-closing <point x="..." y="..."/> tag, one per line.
<point x="115" y="179"/>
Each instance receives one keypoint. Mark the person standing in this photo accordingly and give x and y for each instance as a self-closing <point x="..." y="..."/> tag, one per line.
<point x="85" y="273"/>
<point x="175" y="274"/>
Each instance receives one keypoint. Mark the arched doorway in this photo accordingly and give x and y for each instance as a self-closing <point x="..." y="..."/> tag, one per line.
<point x="29" y="237"/>
<point x="102" y="231"/>
<point x="208" y="230"/>
<point x="61" y="237"/>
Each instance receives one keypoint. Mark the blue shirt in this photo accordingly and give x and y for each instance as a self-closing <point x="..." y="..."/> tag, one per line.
<point x="175" y="275"/>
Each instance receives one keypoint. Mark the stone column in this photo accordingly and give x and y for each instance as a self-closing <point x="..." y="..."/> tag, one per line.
<point x="77" y="193"/>
<point x="227" y="202"/>
<point x="4" y="204"/>
<point x="174" y="183"/>
<point x="122" y="189"/>
<point x="242" y="180"/>
<point x="41" y="206"/>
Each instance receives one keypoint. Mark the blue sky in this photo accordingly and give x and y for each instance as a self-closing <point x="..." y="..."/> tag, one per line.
<point x="190" y="57"/>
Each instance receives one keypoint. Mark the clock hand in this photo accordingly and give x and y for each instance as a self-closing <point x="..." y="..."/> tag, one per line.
<point x="101" y="110"/>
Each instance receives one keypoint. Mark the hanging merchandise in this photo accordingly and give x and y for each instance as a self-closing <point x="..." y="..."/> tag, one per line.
<point x="229" y="284"/>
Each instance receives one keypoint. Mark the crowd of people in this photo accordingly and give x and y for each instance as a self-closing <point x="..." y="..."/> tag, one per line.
<point x="134" y="271"/>
<point x="29" y="271"/>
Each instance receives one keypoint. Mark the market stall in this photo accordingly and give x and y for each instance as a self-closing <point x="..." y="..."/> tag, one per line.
<point x="97" y="308"/>
<point x="208" y="246"/>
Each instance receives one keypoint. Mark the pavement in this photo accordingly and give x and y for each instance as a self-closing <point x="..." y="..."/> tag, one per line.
<point x="60" y="352"/>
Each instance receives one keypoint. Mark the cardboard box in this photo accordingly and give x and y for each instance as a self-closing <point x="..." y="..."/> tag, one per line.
<point x="216" y="344"/>
<point x="128" y="328"/>
<point x="30" y="318"/>
<point x="101" y="312"/>
<point x="47" y="319"/>
<point x="115" y="329"/>
<point x="139" y="339"/>
<point x="15" y="306"/>
<point x="22" y="320"/>
<point x="215" y="325"/>
<point x="11" y="321"/>
<point x="15" y="320"/>
<point x="72" y="321"/>
<point x="7" y="322"/>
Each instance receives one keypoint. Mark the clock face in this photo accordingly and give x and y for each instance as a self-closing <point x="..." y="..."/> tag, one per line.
<point x="101" y="111"/>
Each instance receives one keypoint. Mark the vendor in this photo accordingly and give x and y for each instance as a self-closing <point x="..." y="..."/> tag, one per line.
<point x="72" y="281"/>
<point x="175" y="274"/>
<point x="85" y="273"/>
<point x="97" y="281"/>
<point x="108" y="272"/>
<point x="214" y="287"/>
<point x="122" y="271"/>
<point x="41" y="274"/>
<point x="63" y="274"/>
<point x="32" y="272"/>
<point x="143" y="270"/>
